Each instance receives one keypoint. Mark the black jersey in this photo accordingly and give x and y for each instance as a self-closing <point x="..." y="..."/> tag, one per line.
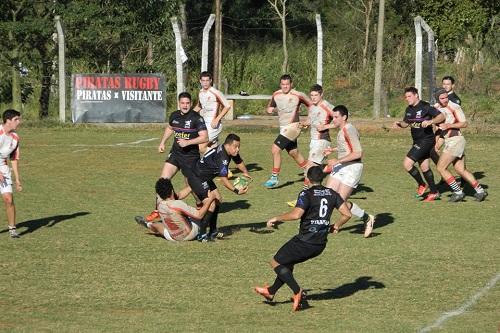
<point x="215" y="163"/>
<point x="415" y="115"/>
<point x="186" y="126"/>
<point x="318" y="203"/>
<point x="454" y="98"/>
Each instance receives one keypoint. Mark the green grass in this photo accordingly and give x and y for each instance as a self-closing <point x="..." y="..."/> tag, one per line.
<point x="83" y="265"/>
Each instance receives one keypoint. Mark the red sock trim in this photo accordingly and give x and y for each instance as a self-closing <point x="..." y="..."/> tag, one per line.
<point x="475" y="184"/>
<point x="303" y="164"/>
<point x="276" y="170"/>
<point x="450" y="180"/>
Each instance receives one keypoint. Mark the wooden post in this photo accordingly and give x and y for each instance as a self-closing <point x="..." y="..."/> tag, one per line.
<point x="62" y="70"/>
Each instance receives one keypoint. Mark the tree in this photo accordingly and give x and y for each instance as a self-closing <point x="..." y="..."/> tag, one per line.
<point x="366" y="11"/>
<point x="378" y="62"/>
<point x="282" y="13"/>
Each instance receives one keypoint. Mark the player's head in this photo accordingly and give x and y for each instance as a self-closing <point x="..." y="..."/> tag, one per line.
<point x="316" y="93"/>
<point x="448" y="83"/>
<point x="185" y="102"/>
<point x="286" y="83"/>
<point x="11" y="116"/>
<point x="232" y="144"/>
<point x="340" y="115"/>
<point x="164" y="188"/>
<point x="411" y="96"/>
<point x="315" y="174"/>
<point x="206" y="79"/>
<point x="441" y="96"/>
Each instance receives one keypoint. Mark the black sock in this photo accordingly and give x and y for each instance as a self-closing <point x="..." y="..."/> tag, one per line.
<point x="276" y="286"/>
<point x="285" y="274"/>
<point x="429" y="177"/>
<point x="434" y="156"/>
<point x="213" y="219"/>
<point x="416" y="175"/>
<point x="204" y="223"/>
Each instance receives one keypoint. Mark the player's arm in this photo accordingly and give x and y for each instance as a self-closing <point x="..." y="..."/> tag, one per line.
<point x="227" y="184"/>
<point x="435" y="120"/>
<point x="200" y="213"/>
<point x="271" y="106"/>
<point x="15" y="169"/>
<point x="459" y="117"/>
<point x="241" y="166"/>
<point x="295" y="214"/>
<point x="400" y="124"/>
<point x="345" y="215"/>
<point x="166" y="134"/>
<point x="183" y="193"/>
<point x="202" y="138"/>
<point x="197" y="107"/>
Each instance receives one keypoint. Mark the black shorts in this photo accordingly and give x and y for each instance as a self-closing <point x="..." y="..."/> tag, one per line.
<point x="199" y="186"/>
<point x="285" y="143"/>
<point x="421" y="150"/>
<point x="182" y="162"/>
<point x="296" y="251"/>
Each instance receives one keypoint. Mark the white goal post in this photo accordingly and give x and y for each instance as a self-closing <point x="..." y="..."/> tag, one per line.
<point x="419" y="25"/>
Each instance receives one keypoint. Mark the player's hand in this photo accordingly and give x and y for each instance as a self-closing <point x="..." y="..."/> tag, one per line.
<point x="396" y="124"/>
<point x="329" y="150"/>
<point x="161" y="148"/>
<point x="247" y="175"/>
<point x="426" y="123"/>
<point x="444" y="127"/>
<point x="334" y="229"/>
<point x="19" y="186"/>
<point x="215" y="123"/>
<point x="270" y="223"/>
<point x="321" y="127"/>
<point x="270" y="110"/>
<point x="243" y="190"/>
<point x="183" y="142"/>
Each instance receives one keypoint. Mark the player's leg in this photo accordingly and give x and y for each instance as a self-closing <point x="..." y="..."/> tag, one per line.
<point x="409" y="166"/>
<point x="459" y="165"/>
<point x="444" y="161"/>
<point x="429" y="178"/>
<point x="10" y="210"/>
<point x="276" y="154"/>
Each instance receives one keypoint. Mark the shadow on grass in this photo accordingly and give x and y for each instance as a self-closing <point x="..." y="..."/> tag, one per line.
<point x="33" y="225"/>
<point x="346" y="290"/>
<point x="361" y="188"/>
<point x="229" y="206"/>
<point x="251" y="167"/>
<point x="381" y="220"/>
<point x="256" y="227"/>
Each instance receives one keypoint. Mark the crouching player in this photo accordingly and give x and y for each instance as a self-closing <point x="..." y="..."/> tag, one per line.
<point x="314" y="209"/>
<point x="179" y="221"/>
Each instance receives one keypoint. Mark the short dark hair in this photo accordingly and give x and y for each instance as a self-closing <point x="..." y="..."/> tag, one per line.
<point x="317" y="87"/>
<point x="449" y="77"/>
<point x="164" y="188"/>
<point x="342" y="109"/>
<point x="230" y="138"/>
<point x="439" y="92"/>
<point x="315" y="174"/>
<point x="9" y="114"/>
<point x="413" y="90"/>
<point x="184" y="94"/>
<point x="206" y="74"/>
<point x="286" y="77"/>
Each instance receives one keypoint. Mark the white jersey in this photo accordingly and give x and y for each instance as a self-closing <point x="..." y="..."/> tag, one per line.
<point x="320" y="114"/>
<point x="9" y="146"/>
<point x="453" y="114"/>
<point x="209" y="101"/>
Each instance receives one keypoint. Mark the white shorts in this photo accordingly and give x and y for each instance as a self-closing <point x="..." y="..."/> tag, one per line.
<point x="454" y="146"/>
<point x="6" y="184"/>
<point x="349" y="174"/>
<point x="195" y="229"/>
<point x="316" y="148"/>
<point x="213" y="133"/>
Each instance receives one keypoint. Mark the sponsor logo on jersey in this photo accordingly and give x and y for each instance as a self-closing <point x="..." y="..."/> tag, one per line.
<point x="187" y="124"/>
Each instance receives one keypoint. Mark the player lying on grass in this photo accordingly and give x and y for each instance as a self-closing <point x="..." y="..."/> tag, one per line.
<point x="179" y="221"/>
<point x="314" y="209"/>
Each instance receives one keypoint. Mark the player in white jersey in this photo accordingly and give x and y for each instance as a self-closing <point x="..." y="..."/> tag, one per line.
<point x="454" y="147"/>
<point x="286" y="102"/>
<point x="179" y="221"/>
<point x="347" y="167"/>
<point x="9" y="149"/>
<point x="210" y="102"/>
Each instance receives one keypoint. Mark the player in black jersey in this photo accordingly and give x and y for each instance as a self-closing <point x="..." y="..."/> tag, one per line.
<point x="420" y="117"/>
<point x="215" y="163"/>
<point x="314" y="209"/>
<point x="189" y="130"/>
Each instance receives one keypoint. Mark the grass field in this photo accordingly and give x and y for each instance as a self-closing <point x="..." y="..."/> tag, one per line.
<point x="83" y="264"/>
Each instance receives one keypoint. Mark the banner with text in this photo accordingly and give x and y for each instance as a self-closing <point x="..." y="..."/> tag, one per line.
<point x="118" y="98"/>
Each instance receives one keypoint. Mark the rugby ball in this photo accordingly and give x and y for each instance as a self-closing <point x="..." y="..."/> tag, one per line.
<point x="291" y="131"/>
<point x="241" y="182"/>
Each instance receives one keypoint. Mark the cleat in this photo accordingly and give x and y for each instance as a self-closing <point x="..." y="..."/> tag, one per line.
<point x="141" y="221"/>
<point x="456" y="197"/>
<point x="13" y="233"/>
<point x="202" y="238"/>
<point x="297" y="300"/>
<point x="272" y="182"/>
<point x="215" y="235"/>
<point x="420" y="191"/>
<point x="264" y="291"/>
<point x="480" y="196"/>
<point x="369" y="225"/>
<point x="432" y="197"/>
<point x="153" y="216"/>
<point x="292" y="203"/>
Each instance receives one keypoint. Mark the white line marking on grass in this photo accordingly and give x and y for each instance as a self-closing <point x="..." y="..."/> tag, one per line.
<point x="79" y="150"/>
<point x="112" y="145"/>
<point x="463" y="308"/>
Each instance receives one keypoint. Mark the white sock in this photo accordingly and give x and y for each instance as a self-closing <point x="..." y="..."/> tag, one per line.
<point x="357" y="211"/>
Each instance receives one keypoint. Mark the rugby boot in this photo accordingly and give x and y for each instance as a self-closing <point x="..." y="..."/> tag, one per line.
<point x="456" y="197"/>
<point x="369" y="226"/>
<point x="420" y="191"/>
<point x="13" y="233"/>
<point x="480" y="196"/>
<point x="264" y="292"/>
<point x="432" y="197"/>
<point x="292" y="203"/>
<point x="297" y="300"/>
<point x="141" y="221"/>
<point x="153" y="216"/>
<point x="272" y="182"/>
